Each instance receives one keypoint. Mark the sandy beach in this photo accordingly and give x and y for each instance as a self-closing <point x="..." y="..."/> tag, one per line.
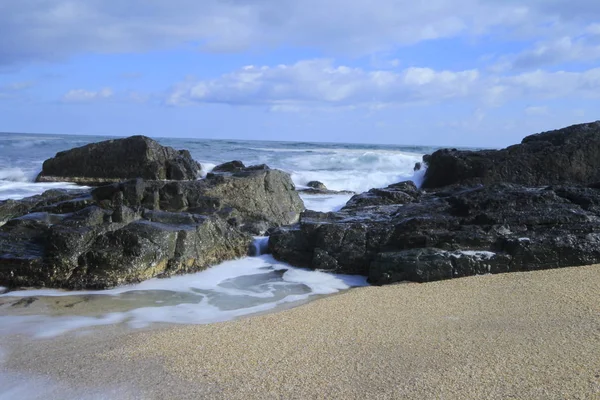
<point x="514" y="336"/>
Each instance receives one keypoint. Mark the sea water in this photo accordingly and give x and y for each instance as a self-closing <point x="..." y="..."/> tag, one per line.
<point x="232" y="289"/>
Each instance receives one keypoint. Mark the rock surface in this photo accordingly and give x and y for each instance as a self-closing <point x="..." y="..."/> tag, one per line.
<point x="566" y="156"/>
<point x="117" y="160"/>
<point x="135" y="230"/>
<point x="449" y="233"/>
<point x="316" y="187"/>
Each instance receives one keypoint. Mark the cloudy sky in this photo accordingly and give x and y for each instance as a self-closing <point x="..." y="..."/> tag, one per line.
<point x="436" y="72"/>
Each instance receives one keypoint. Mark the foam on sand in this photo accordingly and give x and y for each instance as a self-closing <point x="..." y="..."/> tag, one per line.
<point x="227" y="291"/>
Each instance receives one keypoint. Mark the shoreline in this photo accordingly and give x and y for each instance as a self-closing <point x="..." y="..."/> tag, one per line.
<point x="528" y="335"/>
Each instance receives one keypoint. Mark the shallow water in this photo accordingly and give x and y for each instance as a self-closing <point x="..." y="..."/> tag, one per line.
<point x="232" y="289"/>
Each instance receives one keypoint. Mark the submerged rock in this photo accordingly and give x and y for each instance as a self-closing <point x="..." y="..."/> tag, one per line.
<point x="316" y="187"/>
<point x="449" y="233"/>
<point x="117" y="160"/>
<point x="566" y="156"/>
<point x="136" y="230"/>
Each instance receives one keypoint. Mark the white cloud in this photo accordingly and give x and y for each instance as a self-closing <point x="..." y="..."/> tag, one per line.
<point x="82" y="96"/>
<point x="48" y="29"/>
<point x="583" y="45"/>
<point x="323" y="84"/>
<point x="319" y="82"/>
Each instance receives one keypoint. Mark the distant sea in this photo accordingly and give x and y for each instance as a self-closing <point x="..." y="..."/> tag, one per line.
<point x="341" y="166"/>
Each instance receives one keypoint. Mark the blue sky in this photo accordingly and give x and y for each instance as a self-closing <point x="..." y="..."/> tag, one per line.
<point x="441" y="72"/>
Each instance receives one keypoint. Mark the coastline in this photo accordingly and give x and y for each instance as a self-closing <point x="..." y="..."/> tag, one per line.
<point x="531" y="335"/>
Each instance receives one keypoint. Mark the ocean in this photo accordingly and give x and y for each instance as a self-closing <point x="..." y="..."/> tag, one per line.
<point x="230" y="290"/>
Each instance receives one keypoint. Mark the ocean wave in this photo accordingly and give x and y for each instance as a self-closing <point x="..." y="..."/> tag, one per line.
<point x="354" y="170"/>
<point x="16" y="175"/>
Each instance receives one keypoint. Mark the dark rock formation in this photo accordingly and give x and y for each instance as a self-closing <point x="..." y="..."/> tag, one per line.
<point x="316" y="187"/>
<point x="135" y="230"/>
<point x="398" y="193"/>
<point x="117" y="160"/>
<point x="254" y="200"/>
<point x="231" y="166"/>
<point x="64" y="201"/>
<point x="449" y="233"/>
<point x="565" y="156"/>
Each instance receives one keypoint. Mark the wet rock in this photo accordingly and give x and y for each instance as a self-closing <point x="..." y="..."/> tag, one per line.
<point x="135" y="230"/>
<point x="398" y="193"/>
<point x="56" y="200"/>
<point x="256" y="199"/>
<point x="566" y="156"/>
<point x="117" y="160"/>
<point x="231" y="166"/>
<point x="458" y="231"/>
<point x="316" y="185"/>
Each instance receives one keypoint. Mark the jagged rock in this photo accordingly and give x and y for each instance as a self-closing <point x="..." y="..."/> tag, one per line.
<point x="56" y="200"/>
<point x="566" y="156"/>
<point x="135" y="230"/>
<point x="231" y="166"/>
<point x="398" y="193"/>
<point x="316" y="185"/>
<point x="117" y="160"/>
<point x="255" y="200"/>
<point x="450" y="233"/>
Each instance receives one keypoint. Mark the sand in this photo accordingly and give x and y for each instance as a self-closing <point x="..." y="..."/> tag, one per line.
<point x="514" y="336"/>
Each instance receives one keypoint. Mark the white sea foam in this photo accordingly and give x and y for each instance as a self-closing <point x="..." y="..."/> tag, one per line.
<point x="324" y="203"/>
<point x="357" y="171"/>
<point x="486" y="255"/>
<point x="229" y="290"/>
<point x="19" y="190"/>
<point x="16" y="175"/>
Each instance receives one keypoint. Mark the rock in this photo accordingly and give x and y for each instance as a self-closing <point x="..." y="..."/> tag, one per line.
<point x="255" y="200"/>
<point x="566" y="156"/>
<point x="316" y="185"/>
<point x="455" y="232"/>
<point x="135" y="230"/>
<point x="56" y="200"/>
<point x="398" y="193"/>
<point x="231" y="166"/>
<point x="117" y="160"/>
<point x="319" y="188"/>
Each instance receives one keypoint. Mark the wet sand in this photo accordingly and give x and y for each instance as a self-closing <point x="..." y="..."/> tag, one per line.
<point x="513" y="336"/>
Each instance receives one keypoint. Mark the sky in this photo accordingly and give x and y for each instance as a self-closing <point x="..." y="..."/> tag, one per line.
<point x="438" y="72"/>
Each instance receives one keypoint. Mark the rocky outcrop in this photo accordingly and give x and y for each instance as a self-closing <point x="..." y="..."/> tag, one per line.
<point x="252" y="199"/>
<point x="316" y="187"/>
<point x="64" y="201"/>
<point x="135" y="230"/>
<point x="398" y="193"/>
<point x="450" y="233"/>
<point x="565" y="156"/>
<point x="117" y="160"/>
<point x="231" y="166"/>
